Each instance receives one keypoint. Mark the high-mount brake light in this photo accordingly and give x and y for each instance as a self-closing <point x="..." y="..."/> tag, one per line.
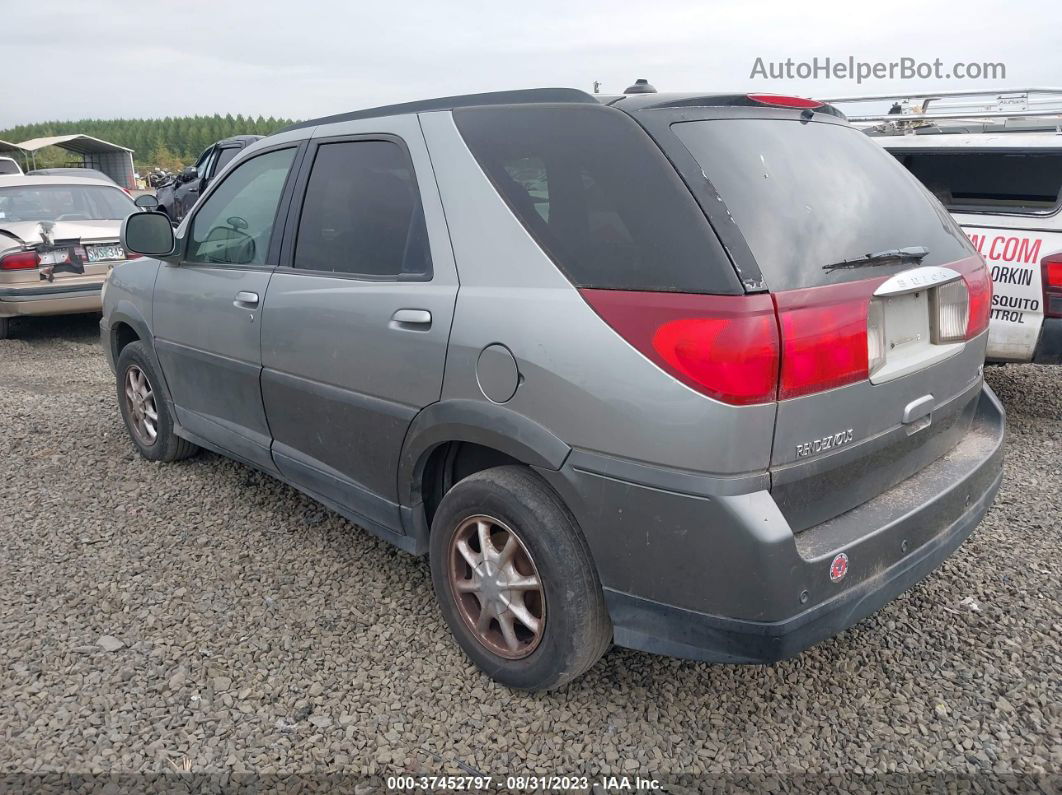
<point x="782" y="101"/>
<point x="724" y="346"/>
<point x="19" y="261"/>
<point x="1052" y="281"/>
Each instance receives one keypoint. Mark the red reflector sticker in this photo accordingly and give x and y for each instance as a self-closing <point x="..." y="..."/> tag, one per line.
<point x="839" y="568"/>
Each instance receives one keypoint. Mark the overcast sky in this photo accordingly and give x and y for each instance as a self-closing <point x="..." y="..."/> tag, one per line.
<point x="115" y="58"/>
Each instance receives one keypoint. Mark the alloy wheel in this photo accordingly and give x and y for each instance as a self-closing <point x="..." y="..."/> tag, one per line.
<point x="497" y="587"/>
<point x="140" y="403"/>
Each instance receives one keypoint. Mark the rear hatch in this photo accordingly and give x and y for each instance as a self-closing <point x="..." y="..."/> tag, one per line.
<point x="881" y="300"/>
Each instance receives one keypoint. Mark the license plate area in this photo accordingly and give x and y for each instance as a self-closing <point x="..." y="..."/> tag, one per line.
<point x="104" y="253"/>
<point x="906" y="329"/>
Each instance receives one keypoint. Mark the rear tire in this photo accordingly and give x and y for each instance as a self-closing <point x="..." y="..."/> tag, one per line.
<point x="146" y="413"/>
<point x="565" y="627"/>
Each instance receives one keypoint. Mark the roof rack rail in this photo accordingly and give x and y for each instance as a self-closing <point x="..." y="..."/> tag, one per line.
<point x="995" y="103"/>
<point x="519" y="97"/>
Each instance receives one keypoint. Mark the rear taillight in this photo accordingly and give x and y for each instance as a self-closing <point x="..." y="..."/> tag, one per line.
<point x="721" y="345"/>
<point x="825" y="340"/>
<point x="1052" y="280"/>
<point x="758" y="348"/>
<point x="875" y="337"/>
<point x="19" y="261"/>
<point x="979" y="286"/>
<point x="132" y="255"/>
<point x="950" y="307"/>
<point x="781" y="101"/>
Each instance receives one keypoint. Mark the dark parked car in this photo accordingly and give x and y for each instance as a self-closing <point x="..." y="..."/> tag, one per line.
<point x="625" y="373"/>
<point x="177" y="197"/>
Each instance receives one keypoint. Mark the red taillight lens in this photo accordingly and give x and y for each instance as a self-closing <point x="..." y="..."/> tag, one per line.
<point x="1052" y="276"/>
<point x="721" y="345"/>
<point x="19" y="261"/>
<point x="979" y="285"/>
<point x="824" y="337"/>
<point x="132" y="255"/>
<point x="781" y="101"/>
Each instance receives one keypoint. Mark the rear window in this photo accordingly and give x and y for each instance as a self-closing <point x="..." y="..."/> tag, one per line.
<point x="810" y="195"/>
<point x="987" y="182"/>
<point x="64" y="203"/>
<point x="598" y="197"/>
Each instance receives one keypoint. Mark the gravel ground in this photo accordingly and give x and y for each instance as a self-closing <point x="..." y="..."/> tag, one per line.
<point x="205" y="617"/>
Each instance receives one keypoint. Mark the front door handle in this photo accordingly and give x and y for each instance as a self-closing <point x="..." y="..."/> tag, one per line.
<point x="245" y="300"/>
<point x="411" y="318"/>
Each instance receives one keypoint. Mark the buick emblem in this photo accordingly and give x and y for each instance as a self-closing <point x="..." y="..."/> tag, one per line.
<point x="839" y="568"/>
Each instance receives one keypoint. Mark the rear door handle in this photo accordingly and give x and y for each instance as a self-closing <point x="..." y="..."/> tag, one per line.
<point x="409" y="318"/>
<point x="245" y="300"/>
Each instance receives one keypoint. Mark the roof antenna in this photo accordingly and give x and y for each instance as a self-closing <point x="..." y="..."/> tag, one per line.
<point x="597" y="86"/>
<point x="641" y="86"/>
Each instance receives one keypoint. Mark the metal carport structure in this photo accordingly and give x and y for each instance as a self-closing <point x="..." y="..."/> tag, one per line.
<point x="14" y="151"/>
<point x="113" y="160"/>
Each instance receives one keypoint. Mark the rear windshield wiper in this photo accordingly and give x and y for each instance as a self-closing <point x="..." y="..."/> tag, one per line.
<point x="915" y="253"/>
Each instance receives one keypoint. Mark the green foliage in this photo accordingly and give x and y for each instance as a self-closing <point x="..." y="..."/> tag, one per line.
<point x="169" y="142"/>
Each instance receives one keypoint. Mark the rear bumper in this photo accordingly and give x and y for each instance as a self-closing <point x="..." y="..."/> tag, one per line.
<point x="1049" y="348"/>
<point x="51" y="299"/>
<point x="723" y="578"/>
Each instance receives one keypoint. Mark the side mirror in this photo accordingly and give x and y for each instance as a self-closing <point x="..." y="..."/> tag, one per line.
<point x="146" y="201"/>
<point x="148" y="233"/>
<point x="188" y="173"/>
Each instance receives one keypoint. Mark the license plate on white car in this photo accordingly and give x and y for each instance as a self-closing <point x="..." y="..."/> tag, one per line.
<point x="104" y="253"/>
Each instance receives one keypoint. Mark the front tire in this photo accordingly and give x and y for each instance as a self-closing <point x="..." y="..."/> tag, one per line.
<point x="146" y="413"/>
<point x="515" y="581"/>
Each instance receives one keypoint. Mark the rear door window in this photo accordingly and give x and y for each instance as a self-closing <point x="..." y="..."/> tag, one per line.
<point x="598" y="197"/>
<point x="362" y="213"/>
<point x="990" y="182"/>
<point x="808" y="196"/>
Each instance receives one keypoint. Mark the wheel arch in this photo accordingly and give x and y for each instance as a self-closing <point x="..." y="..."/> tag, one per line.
<point x="127" y="324"/>
<point x="492" y="435"/>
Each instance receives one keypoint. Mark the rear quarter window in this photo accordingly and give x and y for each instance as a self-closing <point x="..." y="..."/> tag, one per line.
<point x="599" y="197"/>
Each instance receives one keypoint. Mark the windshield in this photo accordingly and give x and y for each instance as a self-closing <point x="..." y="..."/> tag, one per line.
<point x="64" y="203"/>
<point x="809" y="195"/>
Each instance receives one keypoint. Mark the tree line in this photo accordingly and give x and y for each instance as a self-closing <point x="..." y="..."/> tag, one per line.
<point x="165" y="143"/>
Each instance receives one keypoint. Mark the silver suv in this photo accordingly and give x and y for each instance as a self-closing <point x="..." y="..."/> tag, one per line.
<point x="699" y="375"/>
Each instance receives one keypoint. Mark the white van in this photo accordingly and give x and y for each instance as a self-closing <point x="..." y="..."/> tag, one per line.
<point x="996" y="165"/>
